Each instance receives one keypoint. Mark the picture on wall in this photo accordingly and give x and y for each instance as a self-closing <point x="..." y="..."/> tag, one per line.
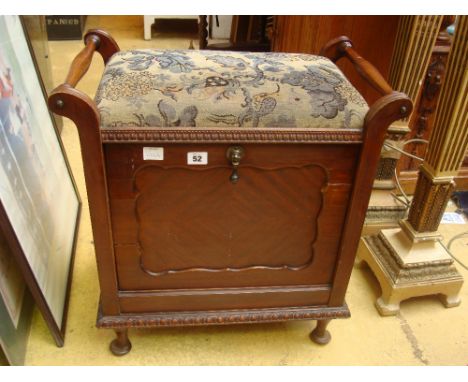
<point x="40" y="205"/>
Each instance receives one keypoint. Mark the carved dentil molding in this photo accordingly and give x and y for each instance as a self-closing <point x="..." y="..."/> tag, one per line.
<point x="229" y="136"/>
<point x="220" y="317"/>
<point x="414" y="273"/>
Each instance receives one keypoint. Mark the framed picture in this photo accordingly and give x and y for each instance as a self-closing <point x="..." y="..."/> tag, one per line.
<point x="14" y="339"/>
<point x="39" y="202"/>
<point x="16" y="307"/>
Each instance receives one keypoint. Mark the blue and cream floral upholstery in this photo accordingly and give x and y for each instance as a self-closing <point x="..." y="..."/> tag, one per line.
<point x="192" y="88"/>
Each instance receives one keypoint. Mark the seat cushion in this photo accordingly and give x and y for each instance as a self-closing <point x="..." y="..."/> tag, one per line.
<point x="196" y="88"/>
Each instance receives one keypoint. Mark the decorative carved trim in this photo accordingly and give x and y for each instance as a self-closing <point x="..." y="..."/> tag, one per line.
<point x="401" y="264"/>
<point x="421" y="272"/>
<point x="449" y="138"/>
<point x="424" y="115"/>
<point x="232" y="136"/>
<point x="416" y="38"/>
<point x="220" y="317"/>
<point x="433" y="80"/>
<point x="386" y="168"/>
<point x="429" y="202"/>
<point x="389" y="157"/>
<point x="382" y="214"/>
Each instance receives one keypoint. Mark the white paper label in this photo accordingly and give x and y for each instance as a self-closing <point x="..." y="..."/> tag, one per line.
<point x="153" y="153"/>
<point x="197" y="158"/>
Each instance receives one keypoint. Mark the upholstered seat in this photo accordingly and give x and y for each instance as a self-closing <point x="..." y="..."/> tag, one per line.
<point x="190" y="88"/>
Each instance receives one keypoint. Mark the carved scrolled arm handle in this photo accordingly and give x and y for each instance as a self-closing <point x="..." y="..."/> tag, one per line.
<point x="95" y="40"/>
<point x="343" y="47"/>
<point x="82" y="61"/>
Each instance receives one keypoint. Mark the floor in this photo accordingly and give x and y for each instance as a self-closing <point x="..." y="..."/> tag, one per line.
<point x="423" y="333"/>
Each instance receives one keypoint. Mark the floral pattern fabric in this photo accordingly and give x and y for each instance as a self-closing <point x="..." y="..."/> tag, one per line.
<point x="196" y="88"/>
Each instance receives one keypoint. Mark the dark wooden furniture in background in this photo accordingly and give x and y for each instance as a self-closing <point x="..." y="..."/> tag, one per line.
<point x="248" y="33"/>
<point x="373" y="36"/>
<point x="422" y="120"/>
<point x="329" y="172"/>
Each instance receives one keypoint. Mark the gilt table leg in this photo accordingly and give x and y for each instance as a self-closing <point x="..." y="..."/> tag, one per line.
<point x="320" y="335"/>
<point x="121" y="345"/>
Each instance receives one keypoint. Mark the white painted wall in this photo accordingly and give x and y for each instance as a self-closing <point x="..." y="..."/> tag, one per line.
<point x="224" y="30"/>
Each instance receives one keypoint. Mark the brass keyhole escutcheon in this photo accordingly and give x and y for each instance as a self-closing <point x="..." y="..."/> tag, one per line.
<point x="234" y="154"/>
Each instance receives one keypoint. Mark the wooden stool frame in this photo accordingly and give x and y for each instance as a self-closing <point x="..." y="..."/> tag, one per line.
<point x="67" y="101"/>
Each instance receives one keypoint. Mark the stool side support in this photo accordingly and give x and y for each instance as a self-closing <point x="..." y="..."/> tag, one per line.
<point x="77" y="106"/>
<point x="382" y="113"/>
<point x="391" y="107"/>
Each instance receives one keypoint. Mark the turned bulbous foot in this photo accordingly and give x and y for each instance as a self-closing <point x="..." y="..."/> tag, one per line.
<point x="120" y="345"/>
<point x="320" y="335"/>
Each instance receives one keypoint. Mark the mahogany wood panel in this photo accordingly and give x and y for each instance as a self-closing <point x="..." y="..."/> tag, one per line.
<point x="292" y="199"/>
<point x="180" y="300"/>
<point x="216" y="236"/>
<point x="372" y="36"/>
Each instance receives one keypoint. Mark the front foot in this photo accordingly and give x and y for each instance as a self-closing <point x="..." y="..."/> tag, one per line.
<point x="320" y="335"/>
<point x="388" y="305"/>
<point x="120" y="345"/>
<point x="450" y="301"/>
